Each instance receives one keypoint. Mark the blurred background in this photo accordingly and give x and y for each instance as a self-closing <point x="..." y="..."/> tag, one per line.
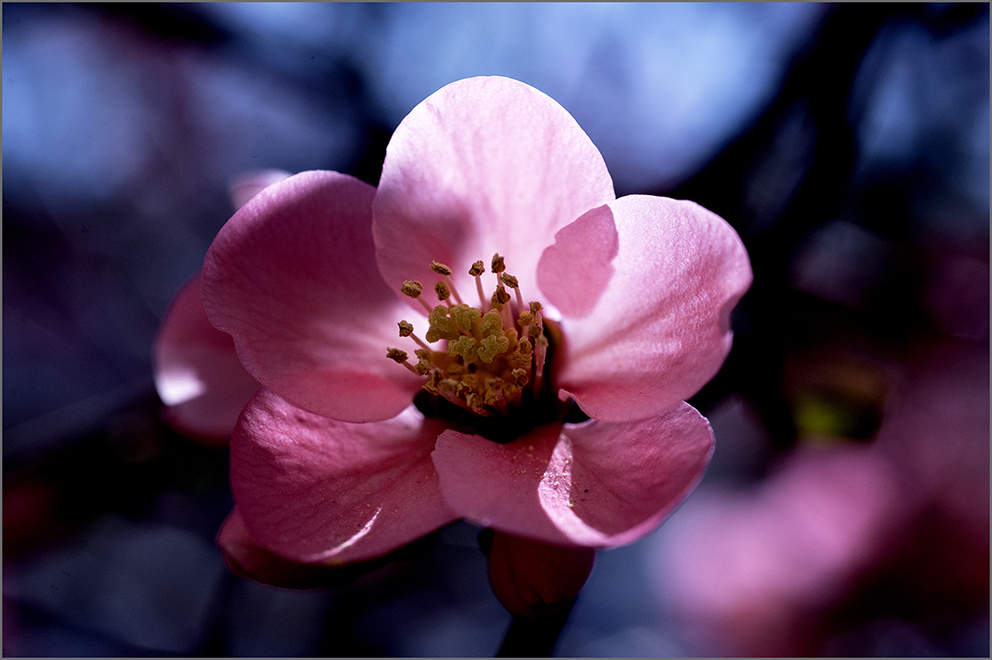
<point x="846" y="511"/>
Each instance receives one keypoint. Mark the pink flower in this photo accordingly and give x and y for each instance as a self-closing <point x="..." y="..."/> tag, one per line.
<point x="896" y="529"/>
<point x="752" y="573"/>
<point x="345" y="455"/>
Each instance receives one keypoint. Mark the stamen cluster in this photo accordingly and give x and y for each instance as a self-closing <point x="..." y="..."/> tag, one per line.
<point x="493" y="355"/>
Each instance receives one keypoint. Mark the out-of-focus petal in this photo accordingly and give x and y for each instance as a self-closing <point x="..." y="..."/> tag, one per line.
<point x="596" y="484"/>
<point x="245" y="186"/>
<point x="574" y="272"/>
<point x="661" y="329"/>
<point x="316" y="490"/>
<point x="484" y="165"/>
<point x="292" y="277"/>
<point x="197" y="372"/>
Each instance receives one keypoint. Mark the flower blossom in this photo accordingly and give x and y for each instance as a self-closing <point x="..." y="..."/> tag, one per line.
<point x="489" y="334"/>
<point x="806" y="563"/>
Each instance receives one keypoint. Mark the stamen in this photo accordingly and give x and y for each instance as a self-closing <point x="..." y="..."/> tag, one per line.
<point x="465" y="347"/>
<point x="406" y="330"/>
<point x="440" y="268"/>
<point x="540" y="343"/>
<point x="443" y="292"/>
<point x="494" y="354"/>
<point x="413" y="289"/>
<point x="477" y="269"/>
<point x="498" y="265"/>
<point x="500" y="297"/>
<point x="467" y="319"/>
<point x="445" y="272"/>
<point x="509" y="280"/>
<point x="442" y="326"/>
<point x="512" y="282"/>
<point x="400" y="357"/>
<point x="492" y="346"/>
<point x="499" y="300"/>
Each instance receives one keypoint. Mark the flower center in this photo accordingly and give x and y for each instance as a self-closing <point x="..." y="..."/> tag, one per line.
<point x="490" y="370"/>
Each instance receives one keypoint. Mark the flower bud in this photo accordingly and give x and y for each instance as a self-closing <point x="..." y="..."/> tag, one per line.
<point x="534" y="579"/>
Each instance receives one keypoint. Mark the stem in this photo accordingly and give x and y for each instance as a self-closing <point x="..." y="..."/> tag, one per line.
<point x="534" y="637"/>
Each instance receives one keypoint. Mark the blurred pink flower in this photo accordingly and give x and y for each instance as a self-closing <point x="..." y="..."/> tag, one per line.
<point x="770" y="571"/>
<point x="748" y="573"/>
<point x="344" y="455"/>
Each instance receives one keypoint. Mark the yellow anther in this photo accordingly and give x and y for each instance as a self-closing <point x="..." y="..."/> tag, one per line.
<point x="492" y="323"/>
<point x="440" y="268"/>
<point x="465" y="316"/>
<point x="442" y="326"/>
<point x="412" y="288"/>
<point x="498" y="265"/>
<point x="521" y="357"/>
<point x="464" y="347"/>
<point x="488" y="359"/>
<point x="492" y="346"/>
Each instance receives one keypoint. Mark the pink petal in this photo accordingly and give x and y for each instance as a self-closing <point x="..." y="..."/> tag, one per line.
<point x="312" y="489"/>
<point x="247" y="559"/>
<point x="596" y="484"/>
<point x="197" y="372"/>
<point x="484" y="165"/>
<point x="245" y="186"/>
<point x="661" y="329"/>
<point x="574" y="272"/>
<point x="292" y="277"/>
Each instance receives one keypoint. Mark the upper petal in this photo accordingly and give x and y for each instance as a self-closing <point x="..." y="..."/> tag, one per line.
<point x="575" y="271"/>
<point x="597" y="484"/>
<point x="484" y="165"/>
<point x="197" y="372"/>
<point x="312" y="489"/>
<point x="292" y="278"/>
<point x="661" y="329"/>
